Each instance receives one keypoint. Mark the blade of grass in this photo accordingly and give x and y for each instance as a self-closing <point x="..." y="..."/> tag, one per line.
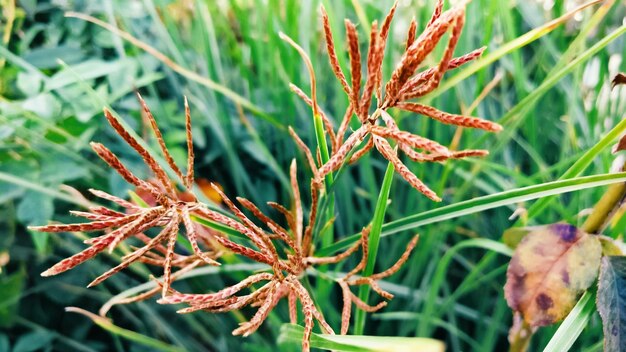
<point x="292" y="334"/>
<point x="42" y="189"/>
<point x="483" y="203"/>
<point x="373" y="242"/>
<point x="107" y="325"/>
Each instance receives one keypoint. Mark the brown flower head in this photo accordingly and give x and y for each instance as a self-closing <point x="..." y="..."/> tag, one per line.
<point x="405" y="84"/>
<point x="170" y="209"/>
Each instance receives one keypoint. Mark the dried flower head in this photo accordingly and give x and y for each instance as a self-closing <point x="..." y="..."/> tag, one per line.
<point x="405" y="84"/>
<point x="170" y="209"/>
<point x="287" y="270"/>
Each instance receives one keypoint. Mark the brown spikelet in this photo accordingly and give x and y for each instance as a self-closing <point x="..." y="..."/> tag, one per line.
<point x="259" y="214"/>
<point x="87" y="226"/>
<point x="346" y="311"/>
<point x="412" y="140"/>
<point x="147" y="158"/>
<point x="412" y="86"/>
<point x="361" y="152"/>
<point x="119" y="201"/>
<point x="366" y="307"/>
<point x="345" y="123"/>
<point x="222" y="294"/>
<point x="291" y="220"/>
<point x="332" y="55"/>
<point x="189" y="178"/>
<point x="355" y="62"/>
<point x="436" y="12"/>
<point x="167" y="231"/>
<point x="303" y="147"/>
<point x="293" y="308"/>
<point x="416" y="53"/>
<point x="372" y="73"/>
<point x="338" y="158"/>
<point x="334" y="259"/>
<point x="385" y="149"/>
<point x="159" y="138"/>
<point x="192" y="237"/>
<point x="167" y="267"/>
<point x="380" y="51"/>
<point x="398" y="264"/>
<point x="433" y="82"/>
<point x="251" y="326"/>
<point x="410" y="37"/>
<point x="105" y="154"/>
<point x="452" y="119"/>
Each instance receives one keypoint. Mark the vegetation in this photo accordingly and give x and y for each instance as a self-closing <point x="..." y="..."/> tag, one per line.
<point x="544" y="78"/>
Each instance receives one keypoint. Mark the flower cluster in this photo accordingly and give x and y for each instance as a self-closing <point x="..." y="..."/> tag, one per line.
<point x="405" y="84"/>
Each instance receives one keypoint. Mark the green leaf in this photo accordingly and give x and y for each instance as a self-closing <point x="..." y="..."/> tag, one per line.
<point x="612" y="301"/>
<point x="550" y="268"/>
<point x="106" y="324"/>
<point x="292" y="334"/>
<point x="35" y="209"/>
<point x="11" y="287"/>
<point x="28" y="83"/>
<point x="483" y="203"/>
<point x="373" y="241"/>
<point x="36" y="340"/>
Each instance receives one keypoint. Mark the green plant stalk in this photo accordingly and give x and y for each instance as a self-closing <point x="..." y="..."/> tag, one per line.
<point x="606" y="207"/>
<point x="328" y="180"/>
<point x="326" y="233"/>
<point x="373" y="242"/>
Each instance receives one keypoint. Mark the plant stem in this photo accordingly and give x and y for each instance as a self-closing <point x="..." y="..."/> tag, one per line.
<point x="328" y="180"/>
<point x="606" y="207"/>
<point x="374" y="240"/>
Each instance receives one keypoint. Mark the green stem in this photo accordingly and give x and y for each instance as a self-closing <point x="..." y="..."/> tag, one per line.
<point x="328" y="180"/>
<point x="606" y="207"/>
<point x="374" y="240"/>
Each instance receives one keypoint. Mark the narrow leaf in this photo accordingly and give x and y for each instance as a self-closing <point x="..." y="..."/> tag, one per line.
<point x="290" y="333"/>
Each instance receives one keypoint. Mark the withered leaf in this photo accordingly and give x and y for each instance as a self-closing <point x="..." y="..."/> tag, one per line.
<point x="619" y="78"/>
<point x="612" y="302"/>
<point x="621" y="145"/>
<point x="550" y="268"/>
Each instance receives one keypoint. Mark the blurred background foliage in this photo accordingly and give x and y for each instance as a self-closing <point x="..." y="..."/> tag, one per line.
<point x="56" y="74"/>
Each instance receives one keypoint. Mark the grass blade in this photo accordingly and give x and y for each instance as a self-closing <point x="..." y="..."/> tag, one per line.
<point x="373" y="242"/>
<point x="484" y="203"/>
<point x="292" y="334"/>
